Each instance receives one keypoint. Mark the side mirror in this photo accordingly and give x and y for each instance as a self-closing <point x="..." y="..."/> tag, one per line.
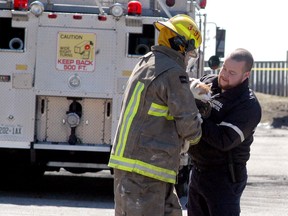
<point x="214" y="62"/>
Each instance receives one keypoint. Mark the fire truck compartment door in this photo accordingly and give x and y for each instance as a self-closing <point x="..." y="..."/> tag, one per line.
<point x="75" y="61"/>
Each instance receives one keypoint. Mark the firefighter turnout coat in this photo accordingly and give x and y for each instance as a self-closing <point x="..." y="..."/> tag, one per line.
<point x="158" y="113"/>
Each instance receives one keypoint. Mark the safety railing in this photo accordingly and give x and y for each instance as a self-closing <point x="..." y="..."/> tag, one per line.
<point x="270" y="78"/>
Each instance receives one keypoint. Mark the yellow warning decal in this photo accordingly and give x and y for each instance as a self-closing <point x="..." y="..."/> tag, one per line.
<point x="76" y="51"/>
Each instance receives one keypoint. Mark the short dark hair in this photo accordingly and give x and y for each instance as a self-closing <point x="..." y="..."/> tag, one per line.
<point x="241" y="54"/>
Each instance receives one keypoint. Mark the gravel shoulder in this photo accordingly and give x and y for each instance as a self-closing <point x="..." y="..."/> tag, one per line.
<point x="274" y="110"/>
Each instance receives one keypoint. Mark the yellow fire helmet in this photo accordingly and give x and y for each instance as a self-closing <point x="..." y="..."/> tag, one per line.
<point x="189" y="35"/>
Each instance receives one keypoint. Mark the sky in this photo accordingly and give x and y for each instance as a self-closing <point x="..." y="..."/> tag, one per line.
<point x="260" y="26"/>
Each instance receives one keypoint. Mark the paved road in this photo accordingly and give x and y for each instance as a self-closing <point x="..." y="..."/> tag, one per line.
<point x="267" y="190"/>
<point x="57" y="195"/>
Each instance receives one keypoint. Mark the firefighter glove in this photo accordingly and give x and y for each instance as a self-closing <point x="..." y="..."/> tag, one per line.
<point x="185" y="147"/>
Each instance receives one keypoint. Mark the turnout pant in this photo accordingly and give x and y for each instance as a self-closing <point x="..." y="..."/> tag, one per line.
<point x="137" y="195"/>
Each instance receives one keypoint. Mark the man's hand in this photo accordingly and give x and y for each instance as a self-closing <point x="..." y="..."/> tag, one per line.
<point x="204" y="108"/>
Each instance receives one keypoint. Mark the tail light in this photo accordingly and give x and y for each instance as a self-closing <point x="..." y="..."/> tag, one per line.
<point x="102" y="18"/>
<point x="77" y="16"/>
<point x="20" y="4"/>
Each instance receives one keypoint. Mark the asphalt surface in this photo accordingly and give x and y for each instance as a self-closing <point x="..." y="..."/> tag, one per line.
<point x="267" y="191"/>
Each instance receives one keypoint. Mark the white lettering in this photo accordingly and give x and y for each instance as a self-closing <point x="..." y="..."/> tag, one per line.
<point x="216" y="105"/>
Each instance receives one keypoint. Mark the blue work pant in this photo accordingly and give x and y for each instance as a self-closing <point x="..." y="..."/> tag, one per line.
<point x="212" y="192"/>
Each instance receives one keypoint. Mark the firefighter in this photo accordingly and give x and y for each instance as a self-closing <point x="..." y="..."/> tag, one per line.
<point x="158" y="117"/>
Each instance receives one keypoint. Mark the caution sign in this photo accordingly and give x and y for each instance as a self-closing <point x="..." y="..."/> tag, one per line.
<point x="76" y="51"/>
